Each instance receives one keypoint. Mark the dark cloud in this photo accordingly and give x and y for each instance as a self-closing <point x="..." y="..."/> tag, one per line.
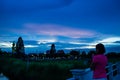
<point x="117" y="42"/>
<point x="33" y="5"/>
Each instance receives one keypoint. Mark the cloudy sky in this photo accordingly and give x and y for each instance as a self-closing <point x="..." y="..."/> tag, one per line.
<point x="70" y="24"/>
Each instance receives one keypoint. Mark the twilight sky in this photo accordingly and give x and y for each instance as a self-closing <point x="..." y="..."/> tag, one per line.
<point x="70" y="24"/>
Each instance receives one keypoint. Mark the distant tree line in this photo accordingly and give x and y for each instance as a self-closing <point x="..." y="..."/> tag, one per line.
<point x="60" y="55"/>
<point x="18" y="51"/>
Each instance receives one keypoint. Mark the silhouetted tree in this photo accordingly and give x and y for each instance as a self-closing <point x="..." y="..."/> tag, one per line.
<point x="74" y="53"/>
<point x="48" y="54"/>
<point x="41" y="55"/>
<point x="83" y="55"/>
<point x="91" y="53"/>
<point x="0" y="51"/>
<point x="61" y="53"/>
<point x="20" y="47"/>
<point x="52" y="50"/>
<point x="112" y="55"/>
<point x="13" y="48"/>
<point x="3" y="53"/>
<point x="118" y="55"/>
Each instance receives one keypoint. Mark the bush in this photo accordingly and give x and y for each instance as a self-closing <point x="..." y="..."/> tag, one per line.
<point x="16" y="69"/>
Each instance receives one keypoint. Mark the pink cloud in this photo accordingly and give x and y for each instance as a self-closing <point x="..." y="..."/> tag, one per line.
<point x="58" y="30"/>
<point x="55" y="30"/>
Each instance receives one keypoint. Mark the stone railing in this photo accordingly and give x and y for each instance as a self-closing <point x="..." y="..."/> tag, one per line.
<point x="86" y="74"/>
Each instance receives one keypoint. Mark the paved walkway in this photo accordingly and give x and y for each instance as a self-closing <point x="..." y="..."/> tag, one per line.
<point x="2" y="77"/>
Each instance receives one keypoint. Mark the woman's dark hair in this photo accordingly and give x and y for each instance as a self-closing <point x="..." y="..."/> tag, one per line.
<point x="100" y="48"/>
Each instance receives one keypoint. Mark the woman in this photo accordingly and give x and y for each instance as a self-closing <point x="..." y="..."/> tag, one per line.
<point x="99" y="62"/>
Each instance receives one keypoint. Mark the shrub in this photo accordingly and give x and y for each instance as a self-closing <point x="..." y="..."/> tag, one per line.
<point x="16" y="69"/>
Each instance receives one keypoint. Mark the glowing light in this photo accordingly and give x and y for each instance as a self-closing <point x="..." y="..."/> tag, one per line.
<point x="5" y="44"/>
<point x="87" y="47"/>
<point x="78" y="43"/>
<point x="31" y="46"/>
<point x="47" y="41"/>
<point x="110" y="40"/>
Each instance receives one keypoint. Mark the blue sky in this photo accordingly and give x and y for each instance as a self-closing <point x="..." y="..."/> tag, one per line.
<point x="71" y="23"/>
